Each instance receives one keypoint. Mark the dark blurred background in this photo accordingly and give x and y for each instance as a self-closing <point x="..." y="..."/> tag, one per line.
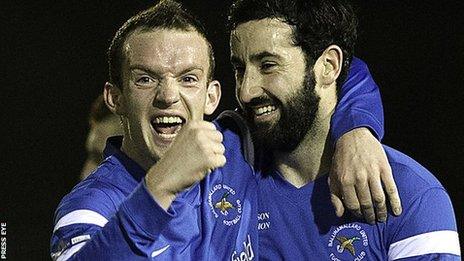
<point x="53" y="66"/>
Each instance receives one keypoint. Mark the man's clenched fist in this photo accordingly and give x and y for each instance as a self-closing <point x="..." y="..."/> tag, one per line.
<point x="195" y="152"/>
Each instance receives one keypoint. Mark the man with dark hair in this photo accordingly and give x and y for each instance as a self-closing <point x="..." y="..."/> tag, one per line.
<point x="290" y="58"/>
<point x="102" y="125"/>
<point x="152" y="197"/>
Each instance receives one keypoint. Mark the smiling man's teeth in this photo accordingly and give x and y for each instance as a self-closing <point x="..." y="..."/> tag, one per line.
<point x="167" y="127"/>
<point x="168" y="136"/>
<point x="165" y="119"/>
<point x="263" y="110"/>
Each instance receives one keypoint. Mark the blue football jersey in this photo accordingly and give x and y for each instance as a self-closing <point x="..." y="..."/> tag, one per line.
<point x="112" y="216"/>
<point x="300" y="223"/>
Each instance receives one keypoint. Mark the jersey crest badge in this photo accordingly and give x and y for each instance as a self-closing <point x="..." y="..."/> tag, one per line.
<point x="224" y="204"/>
<point x="348" y="242"/>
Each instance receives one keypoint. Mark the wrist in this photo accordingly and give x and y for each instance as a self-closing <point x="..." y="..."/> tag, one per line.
<point x="163" y="194"/>
<point x="357" y="132"/>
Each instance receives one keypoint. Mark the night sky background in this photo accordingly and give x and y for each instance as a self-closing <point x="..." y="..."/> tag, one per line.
<point x="53" y="63"/>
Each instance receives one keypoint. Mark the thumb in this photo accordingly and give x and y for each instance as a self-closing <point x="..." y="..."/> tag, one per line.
<point x="196" y="112"/>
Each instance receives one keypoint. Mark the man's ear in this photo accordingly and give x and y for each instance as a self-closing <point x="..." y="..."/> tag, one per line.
<point x="113" y="98"/>
<point x="213" y="96"/>
<point x="329" y="65"/>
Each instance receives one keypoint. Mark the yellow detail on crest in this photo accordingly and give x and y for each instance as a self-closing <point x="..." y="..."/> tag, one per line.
<point x="346" y="243"/>
<point x="223" y="204"/>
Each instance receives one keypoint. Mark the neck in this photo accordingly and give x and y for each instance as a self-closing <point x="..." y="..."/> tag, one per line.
<point x="130" y="148"/>
<point x="134" y="155"/>
<point x="311" y="159"/>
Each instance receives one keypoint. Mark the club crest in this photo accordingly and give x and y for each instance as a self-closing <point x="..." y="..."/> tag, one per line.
<point x="224" y="204"/>
<point x="348" y="242"/>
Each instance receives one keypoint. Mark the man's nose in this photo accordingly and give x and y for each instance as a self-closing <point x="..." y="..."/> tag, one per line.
<point x="250" y="87"/>
<point x="167" y="94"/>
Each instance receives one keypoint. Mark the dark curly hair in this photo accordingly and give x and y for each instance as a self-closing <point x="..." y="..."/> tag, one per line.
<point x="167" y="14"/>
<point x="316" y="24"/>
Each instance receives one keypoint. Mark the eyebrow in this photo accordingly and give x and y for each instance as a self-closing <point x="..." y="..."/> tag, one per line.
<point x="149" y="70"/>
<point x="261" y="55"/>
<point x="255" y="57"/>
<point x="142" y="67"/>
<point x="193" y="68"/>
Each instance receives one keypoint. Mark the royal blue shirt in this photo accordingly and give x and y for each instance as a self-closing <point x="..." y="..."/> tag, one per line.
<point x="300" y="223"/>
<point x="112" y="216"/>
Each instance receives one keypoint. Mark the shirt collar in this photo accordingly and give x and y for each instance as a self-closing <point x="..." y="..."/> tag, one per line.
<point x="113" y="148"/>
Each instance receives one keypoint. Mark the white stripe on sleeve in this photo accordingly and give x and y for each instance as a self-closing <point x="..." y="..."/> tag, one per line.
<point x="69" y="252"/>
<point x="444" y="242"/>
<point x="81" y="216"/>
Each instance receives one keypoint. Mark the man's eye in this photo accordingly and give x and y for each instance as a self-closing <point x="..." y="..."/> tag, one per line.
<point x="145" y="80"/>
<point x="189" y="79"/>
<point x="268" y="65"/>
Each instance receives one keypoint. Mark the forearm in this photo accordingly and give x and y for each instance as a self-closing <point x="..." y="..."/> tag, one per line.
<point x="159" y="188"/>
<point x="130" y="233"/>
<point x="360" y="169"/>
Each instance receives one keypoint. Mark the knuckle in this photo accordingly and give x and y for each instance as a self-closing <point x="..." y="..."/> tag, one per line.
<point x="370" y="218"/>
<point x="361" y="180"/>
<point x="391" y="190"/>
<point x="382" y="213"/>
<point x="222" y="149"/>
<point x="199" y="175"/>
<point x="218" y="161"/>
<point x="352" y="206"/>
<point x="374" y="166"/>
<point x="388" y="172"/>
<point x="346" y="179"/>
<point x="369" y="213"/>
<point x="379" y="200"/>
<point x="334" y="198"/>
<point x="223" y="161"/>
<point x="210" y="125"/>
<point x="385" y="169"/>
<point x="366" y="205"/>
<point x="211" y="164"/>
<point x="221" y="138"/>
